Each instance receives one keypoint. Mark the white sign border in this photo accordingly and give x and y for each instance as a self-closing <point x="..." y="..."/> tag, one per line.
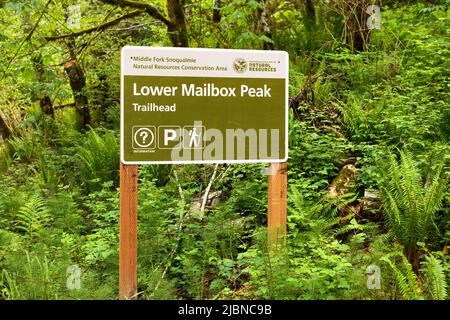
<point x="286" y="77"/>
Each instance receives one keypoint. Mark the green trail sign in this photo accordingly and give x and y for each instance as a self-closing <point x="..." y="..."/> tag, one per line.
<point x="182" y="105"/>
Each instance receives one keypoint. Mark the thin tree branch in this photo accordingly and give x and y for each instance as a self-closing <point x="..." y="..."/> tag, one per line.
<point x="302" y="94"/>
<point x="205" y="196"/>
<point x="97" y="28"/>
<point x="64" y="106"/>
<point x="28" y="37"/>
<point x="149" y="9"/>
<point x="180" y="190"/>
<point x="78" y="53"/>
<point x="135" y="26"/>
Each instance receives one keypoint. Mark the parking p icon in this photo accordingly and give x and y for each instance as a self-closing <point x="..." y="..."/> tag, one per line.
<point x="169" y="137"/>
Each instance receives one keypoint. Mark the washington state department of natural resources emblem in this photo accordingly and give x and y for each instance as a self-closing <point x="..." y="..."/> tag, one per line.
<point x="240" y="65"/>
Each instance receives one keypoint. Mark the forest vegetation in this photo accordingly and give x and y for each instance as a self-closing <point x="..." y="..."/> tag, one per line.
<point x="368" y="167"/>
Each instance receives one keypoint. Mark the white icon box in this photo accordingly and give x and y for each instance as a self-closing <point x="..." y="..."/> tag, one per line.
<point x="144" y="137"/>
<point x="193" y="137"/>
<point x="169" y="137"/>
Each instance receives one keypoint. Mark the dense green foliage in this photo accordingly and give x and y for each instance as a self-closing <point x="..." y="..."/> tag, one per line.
<point x="369" y="157"/>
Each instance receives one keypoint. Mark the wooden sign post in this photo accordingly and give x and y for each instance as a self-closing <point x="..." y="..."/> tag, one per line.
<point x="277" y="203"/>
<point x="128" y="231"/>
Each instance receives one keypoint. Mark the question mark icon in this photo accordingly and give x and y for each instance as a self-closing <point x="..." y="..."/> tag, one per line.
<point x="143" y="137"/>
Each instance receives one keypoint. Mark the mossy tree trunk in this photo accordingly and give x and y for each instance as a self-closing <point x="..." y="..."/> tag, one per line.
<point x="177" y="29"/>
<point x="309" y="21"/>
<point x="77" y="83"/>
<point x="262" y="24"/>
<point x="216" y="17"/>
<point x="5" y="131"/>
<point x="45" y="102"/>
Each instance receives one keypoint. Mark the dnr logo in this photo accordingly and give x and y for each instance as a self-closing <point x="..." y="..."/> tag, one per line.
<point x="240" y="65"/>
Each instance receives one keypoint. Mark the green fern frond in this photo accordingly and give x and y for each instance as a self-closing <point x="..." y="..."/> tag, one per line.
<point x="310" y="217"/>
<point x="409" y="206"/>
<point x="434" y="195"/>
<point x="405" y="277"/>
<point x="435" y="281"/>
<point x="100" y="156"/>
<point x="394" y="216"/>
<point x="33" y="216"/>
<point x="393" y="181"/>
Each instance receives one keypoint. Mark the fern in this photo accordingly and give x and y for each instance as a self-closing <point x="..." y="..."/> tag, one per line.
<point x="405" y="278"/>
<point x="354" y="116"/>
<point x="432" y="278"/>
<point x="308" y="217"/>
<point x="435" y="278"/>
<point x="100" y="156"/>
<point x="315" y="219"/>
<point x="33" y="216"/>
<point x="410" y="207"/>
<point x="8" y="287"/>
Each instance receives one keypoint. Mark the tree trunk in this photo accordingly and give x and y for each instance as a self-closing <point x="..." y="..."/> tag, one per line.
<point x="309" y="22"/>
<point x="262" y="24"/>
<point x="77" y="83"/>
<point x="310" y="17"/>
<point x="5" y="131"/>
<point x="47" y="107"/>
<point x="216" y="11"/>
<point x="412" y="254"/>
<point x="44" y="101"/>
<point x="358" y="34"/>
<point x="177" y="30"/>
<point x="101" y="98"/>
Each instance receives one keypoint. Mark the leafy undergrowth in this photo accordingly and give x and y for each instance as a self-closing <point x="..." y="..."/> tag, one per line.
<point x="377" y="119"/>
